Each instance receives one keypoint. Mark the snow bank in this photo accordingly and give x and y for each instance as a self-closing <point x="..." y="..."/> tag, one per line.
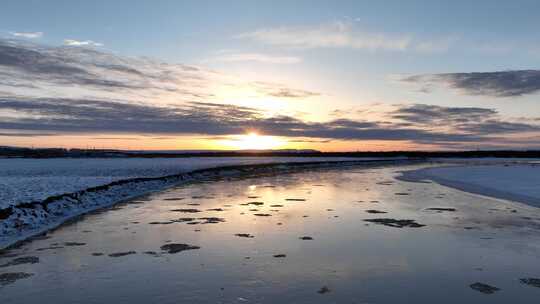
<point x="40" y="194"/>
<point x="27" y="180"/>
<point x="518" y="182"/>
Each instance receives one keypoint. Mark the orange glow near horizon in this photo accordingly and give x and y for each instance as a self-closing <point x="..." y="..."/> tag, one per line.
<point x="249" y="141"/>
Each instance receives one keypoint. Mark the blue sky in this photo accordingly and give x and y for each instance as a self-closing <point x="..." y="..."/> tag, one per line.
<point x="353" y="54"/>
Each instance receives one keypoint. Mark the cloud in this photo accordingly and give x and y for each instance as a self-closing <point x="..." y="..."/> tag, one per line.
<point x="330" y="35"/>
<point x="80" y="91"/>
<point x="72" y="42"/>
<point x="281" y="91"/>
<point x="469" y="120"/>
<point x="25" y="134"/>
<point x="493" y="84"/>
<point x="345" y="34"/>
<point x="32" y="69"/>
<point x="257" y="57"/>
<point x="88" y="116"/>
<point x="28" y="35"/>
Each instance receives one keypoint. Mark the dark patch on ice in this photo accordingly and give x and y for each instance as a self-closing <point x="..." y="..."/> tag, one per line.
<point x="244" y="235"/>
<point x="175" y="248"/>
<point x="441" y="209"/>
<point x="395" y="223"/>
<point x="374" y="202"/>
<point x="252" y="203"/>
<point x="276" y="206"/>
<point x="161" y="223"/>
<point x="97" y="254"/>
<point x="212" y="220"/>
<point x="189" y="210"/>
<point x="323" y="290"/>
<point x="296" y="199"/>
<point x="12" y="277"/>
<point x="121" y="254"/>
<point x="484" y="288"/>
<point x="281" y="255"/>
<point x="49" y="248"/>
<point x="71" y="244"/>
<point x="531" y="282"/>
<point x="183" y="220"/>
<point x="215" y="209"/>
<point x="262" y="214"/>
<point x="253" y="209"/>
<point x="401" y="193"/>
<point x="21" y="260"/>
<point x="253" y="197"/>
<point x="306" y="238"/>
<point x="193" y="204"/>
<point x="373" y="211"/>
<point x="173" y="199"/>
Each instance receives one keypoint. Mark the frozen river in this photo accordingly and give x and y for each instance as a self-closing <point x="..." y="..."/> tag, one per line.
<point x="349" y="235"/>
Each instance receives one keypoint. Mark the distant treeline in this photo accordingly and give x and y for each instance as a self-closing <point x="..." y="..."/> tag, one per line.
<point x="59" y="152"/>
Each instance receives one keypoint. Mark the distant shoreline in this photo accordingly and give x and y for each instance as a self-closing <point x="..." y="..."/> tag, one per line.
<point x="23" y="152"/>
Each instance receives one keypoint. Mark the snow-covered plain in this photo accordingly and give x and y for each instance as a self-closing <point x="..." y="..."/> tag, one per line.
<point x="511" y="181"/>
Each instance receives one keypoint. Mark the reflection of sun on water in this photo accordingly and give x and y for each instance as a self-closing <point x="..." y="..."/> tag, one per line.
<point x="252" y="141"/>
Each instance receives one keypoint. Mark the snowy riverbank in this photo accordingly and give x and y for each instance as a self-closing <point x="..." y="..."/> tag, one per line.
<point x="518" y="182"/>
<point x="41" y="194"/>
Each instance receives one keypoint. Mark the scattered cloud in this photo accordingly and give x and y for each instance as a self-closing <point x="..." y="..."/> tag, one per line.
<point x="256" y="57"/>
<point x="27" y="35"/>
<point x="65" y="90"/>
<point x="72" y="42"/>
<point x="345" y="34"/>
<point x="494" y="84"/>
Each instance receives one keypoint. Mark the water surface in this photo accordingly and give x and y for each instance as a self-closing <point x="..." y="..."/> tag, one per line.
<point x="308" y="242"/>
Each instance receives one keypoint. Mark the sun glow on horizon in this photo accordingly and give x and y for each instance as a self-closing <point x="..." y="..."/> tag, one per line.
<point x="253" y="141"/>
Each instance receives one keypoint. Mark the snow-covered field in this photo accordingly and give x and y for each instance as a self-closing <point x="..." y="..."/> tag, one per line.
<point x="511" y="181"/>
<point x="27" y="180"/>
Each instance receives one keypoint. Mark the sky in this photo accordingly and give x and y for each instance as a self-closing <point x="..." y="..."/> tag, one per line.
<point x="326" y="75"/>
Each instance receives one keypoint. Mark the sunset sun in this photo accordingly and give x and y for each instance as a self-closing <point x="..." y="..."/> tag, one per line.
<point x="253" y="141"/>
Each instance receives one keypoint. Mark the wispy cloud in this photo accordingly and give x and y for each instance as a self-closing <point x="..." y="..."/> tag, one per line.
<point x="256" y="57"/>
<point x="30" y="69"/>
<point x="495" y="84"/>
<point x="28" y="35"/>
<point x="344" y="34"/>
<point x="72" y="42"/>
<point x="331" y="35"/>
<point x="282" y="91"/>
